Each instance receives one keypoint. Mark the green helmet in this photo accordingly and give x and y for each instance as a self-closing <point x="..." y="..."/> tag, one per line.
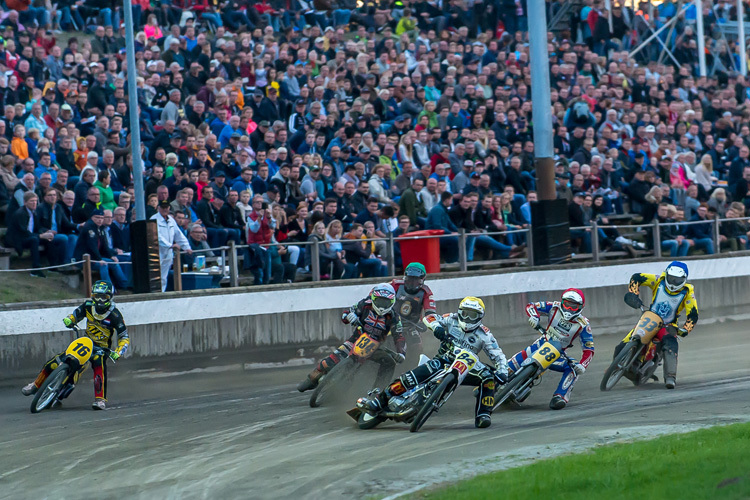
<point x="414" y="276"/>
<point x="101" y="294"/>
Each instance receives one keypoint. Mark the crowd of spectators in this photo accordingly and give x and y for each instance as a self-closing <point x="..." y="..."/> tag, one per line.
<point x="277" y="123"/>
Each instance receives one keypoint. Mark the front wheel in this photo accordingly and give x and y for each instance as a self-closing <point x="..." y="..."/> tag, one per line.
<point x="48" y="392"/>
<point x="518" y="380"/>
<point x="367" y="421"/>
<point x="432" y="402"/>
<point x="327" y="385"/>
<point x="620" y="365"/>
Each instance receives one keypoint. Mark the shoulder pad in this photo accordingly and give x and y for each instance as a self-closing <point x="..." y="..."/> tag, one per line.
<point x="88" y="303"/>
<point x="484" y="329"/>
<point x="690" y="288"/>
<point x="427" y="289"/>
<point x="447" y="315"/>
<point x="582" y="320"/>
<point x="397" y="282"/>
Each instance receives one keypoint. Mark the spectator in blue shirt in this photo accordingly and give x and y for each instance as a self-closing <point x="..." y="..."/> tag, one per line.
<point x="701" y="233"/>
<point x="438" y="219"/>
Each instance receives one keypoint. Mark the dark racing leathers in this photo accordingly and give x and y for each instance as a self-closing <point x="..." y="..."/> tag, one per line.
<point x="100" y="328"/>
<point x="668" y="307"/>
<point x="411" y="308"/>
<point x="482" y="376"/>
<point x="374" y="325"/>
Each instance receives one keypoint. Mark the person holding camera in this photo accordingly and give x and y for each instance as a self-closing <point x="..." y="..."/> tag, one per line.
<point x="260" y="228"/>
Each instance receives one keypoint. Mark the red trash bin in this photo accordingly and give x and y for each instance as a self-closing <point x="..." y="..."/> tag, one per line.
<point x="424" y="251"/>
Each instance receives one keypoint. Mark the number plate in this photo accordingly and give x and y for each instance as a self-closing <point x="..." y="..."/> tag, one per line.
<point x="546" y="355"/>
<point x="465" y="361"/>
<point x="81" y="349"/>
<point x="365" y="346"/>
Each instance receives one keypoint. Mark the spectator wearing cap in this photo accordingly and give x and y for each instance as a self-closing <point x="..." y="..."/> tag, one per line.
<point x="462" y="178"/>
<point x="93" y="241"/>
<point x="312" y="185"/>
<point x="219" y="184"/>
<point x="170" y="239"/>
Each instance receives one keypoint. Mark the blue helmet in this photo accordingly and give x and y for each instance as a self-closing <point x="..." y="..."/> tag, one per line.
<point x="676" y="276"/>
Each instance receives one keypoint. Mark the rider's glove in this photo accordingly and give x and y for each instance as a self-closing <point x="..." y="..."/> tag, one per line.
<point x="400" y="357"/>
<point x="682" y="332"/>
<point x="534" y="321"/>
<point x="501" y="377"/>
<point x="633" y="300"/>
<point x="114" y="355"/>
<point x="579" y="369"/>
<point x="67" y="322"/>
<point x="439" y="332"/>
<point x="351" y="318"/>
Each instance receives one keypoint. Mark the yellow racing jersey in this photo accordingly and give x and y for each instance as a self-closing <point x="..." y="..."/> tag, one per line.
<point x="665" y="304"/>
<point x="100" y="328"/>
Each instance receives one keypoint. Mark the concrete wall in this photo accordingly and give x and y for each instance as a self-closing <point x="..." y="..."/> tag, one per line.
<point x="259" y="319"/>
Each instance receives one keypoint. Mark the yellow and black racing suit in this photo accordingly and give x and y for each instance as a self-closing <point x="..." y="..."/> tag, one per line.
<point x="100" y="328"/>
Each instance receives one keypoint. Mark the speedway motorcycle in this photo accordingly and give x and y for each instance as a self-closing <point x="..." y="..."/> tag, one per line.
<point x="61" y="382"/>
<point x="530" y="373"/>
<point x="641" y="356"/>
<point x="366" y="348"/>
<point x="418" y="404"/>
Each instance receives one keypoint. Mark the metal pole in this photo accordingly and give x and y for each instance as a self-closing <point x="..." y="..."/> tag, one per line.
<point x="315" y="260"/>
<point x="391" y="253"/>
<point x="177" y="271"/>
<point x="657" y="238"/>
<point x="87" y="275"/>
<point x="233" y="278"/>
<point x="701" y="39"/>
<point x="135" y="128"/>
<point x="542" y="102"/>
<point x="654" y="34"/>
<point x="595" y="241"/>
<point x="741" y="35"/>
<point x="529" y="248"/>
<point x="608" y="6"/>
<point x="462" y="259"/>
<point x="717" y="233"/>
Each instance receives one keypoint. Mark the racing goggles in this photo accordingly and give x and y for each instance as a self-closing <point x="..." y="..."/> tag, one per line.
<point x="101" y="298"/>
<point x="383" y="303"/>
<point x="571" y="306"/>
<point x="675" y="282"/>
<point x="413" y="282"/>
<point x="469" y="315"/>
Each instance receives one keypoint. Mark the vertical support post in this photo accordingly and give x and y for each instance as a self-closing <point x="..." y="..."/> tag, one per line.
<point x="717" y="235"/>
<point x="540" y="97"/>
<point x="741" y="35"/>
<point x="595" y="241"/>
<point x="315" y="260"/>
<point x="233" y="275"/>
<point x="529" y="247"/>
<point x="87" y="275"/>
<point x="391" y="253"/>
<point x="657" y="238"/>
<point x="177" y="271"/>
<point x="608" y="6"/>
<point x="462" y="258"/>
<point x="135" y="127"/>
<point x="701" y="37"/>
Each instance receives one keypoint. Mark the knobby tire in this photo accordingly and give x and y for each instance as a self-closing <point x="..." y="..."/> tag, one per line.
<point x="330" y="381"/>
<point x="518" y="380"/>
<point x="49" y="390"/>
<point x="615" y="372"/>
<point x="430" y="405"/>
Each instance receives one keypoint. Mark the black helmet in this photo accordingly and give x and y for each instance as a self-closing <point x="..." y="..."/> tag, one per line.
<point x="101" y="294"/>
<point x="414" y="276"/>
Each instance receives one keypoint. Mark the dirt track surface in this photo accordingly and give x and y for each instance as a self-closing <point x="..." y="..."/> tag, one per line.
<point x="250" y="434"/>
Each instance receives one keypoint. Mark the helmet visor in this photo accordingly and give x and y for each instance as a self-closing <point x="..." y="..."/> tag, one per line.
<point x="675" y="282"/>
<point x="469" y="315"/>
<point x="571" y="306"/>
<point x="412" y="282"/>
<point x="382" y="303"/>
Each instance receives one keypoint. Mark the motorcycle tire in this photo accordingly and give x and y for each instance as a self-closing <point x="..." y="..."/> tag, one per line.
<point x="431" y="404"/>
<point x="518" y="380"/>
<point x="619" y="365"/>
<point x="367" y="421"/>
<point x="330" y="381"/>
<point x="50" y="389"/>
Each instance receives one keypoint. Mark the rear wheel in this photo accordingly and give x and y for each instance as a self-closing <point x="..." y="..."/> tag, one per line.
<point x="517" y="381"/>
<point x="329" y="382"/>
<point x="367" y="421"/>
<point x="620" y="365"/>
<point x="432" y="402"/>
<point x="48" y="392"/>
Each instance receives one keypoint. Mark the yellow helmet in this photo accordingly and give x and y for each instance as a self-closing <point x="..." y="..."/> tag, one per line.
<point x="470" y="313"/>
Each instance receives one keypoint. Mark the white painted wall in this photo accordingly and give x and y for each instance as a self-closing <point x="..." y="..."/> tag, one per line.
<point x="155" y="311"/>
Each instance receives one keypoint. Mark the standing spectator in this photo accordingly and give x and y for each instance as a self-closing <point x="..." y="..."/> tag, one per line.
<point x="439" y="219"/>
<point x="170" y="239"/>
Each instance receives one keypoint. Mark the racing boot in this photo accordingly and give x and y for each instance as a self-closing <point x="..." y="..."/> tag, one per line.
<point x="99" y="404"/>
<point x="375" y="404"/>
<point x="670" y="346"/>
<point x="557" y="402"/>
<point x="30" y="389"/>
<point x="482" y="421"/>
<point x="311" y="381"/>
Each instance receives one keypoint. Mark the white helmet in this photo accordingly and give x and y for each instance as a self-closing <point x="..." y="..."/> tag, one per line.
<point x="675" y="276"/>
<point x="572" y="303"/>
<point x="470" y="313"/>
<point x="383" y="298"/>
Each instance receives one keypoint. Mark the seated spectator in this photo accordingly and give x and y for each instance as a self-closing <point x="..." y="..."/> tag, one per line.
<point x="52" y="219"/>
<point x="106" y="195"/>
<point x="360" y="254"/>
<point x="25" y="232"/>
<point x="93" y="241"/>
<point x="701" y="233"/>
